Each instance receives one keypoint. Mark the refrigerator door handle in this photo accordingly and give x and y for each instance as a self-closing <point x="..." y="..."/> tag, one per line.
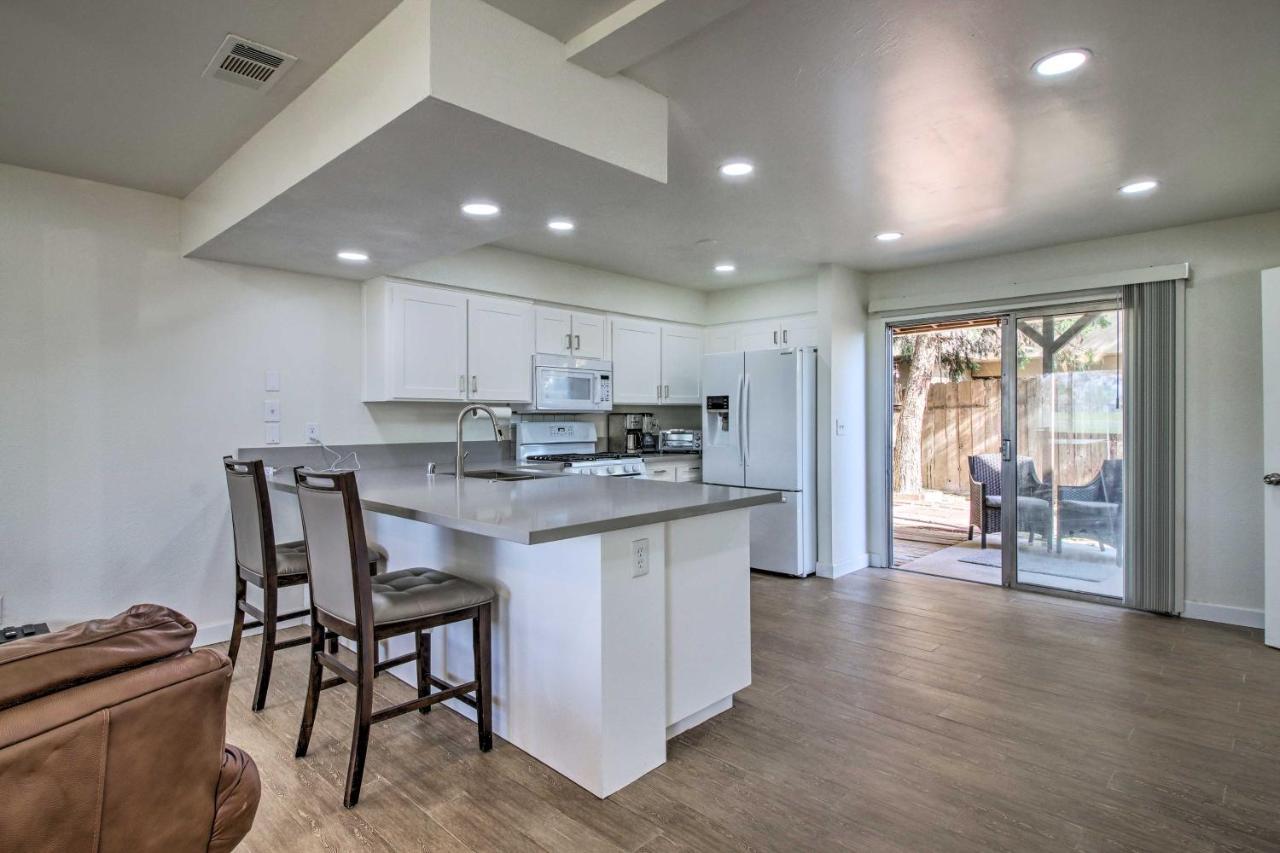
<point x="745" y="421"/>
<point x="742" y="459"/>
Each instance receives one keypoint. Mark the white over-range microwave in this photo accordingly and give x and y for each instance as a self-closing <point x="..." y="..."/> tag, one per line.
<point x="563" y="383"/>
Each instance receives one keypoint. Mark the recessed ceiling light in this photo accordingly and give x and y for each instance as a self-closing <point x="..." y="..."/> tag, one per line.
<point x="737" y="168"/>
<point x="889" y="236"/>
<point x="724" y="269"/>
<point x="480" y="208"/>
<point x="1143" y="186"/>
<point x="564" y="226"/>
<point x="1061" y="62"/>
<point x="353" y="256"/>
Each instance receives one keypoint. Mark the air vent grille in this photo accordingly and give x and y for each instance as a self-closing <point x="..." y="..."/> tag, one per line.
<point x="248" y="63"/>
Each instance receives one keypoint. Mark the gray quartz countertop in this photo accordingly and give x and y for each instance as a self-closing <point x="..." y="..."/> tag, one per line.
<point x="544" y="509"/>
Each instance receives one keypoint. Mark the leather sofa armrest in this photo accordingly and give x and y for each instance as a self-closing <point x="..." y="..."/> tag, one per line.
<point x="239" y="789"/>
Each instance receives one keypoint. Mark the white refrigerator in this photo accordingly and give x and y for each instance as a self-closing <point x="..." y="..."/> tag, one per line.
<point x="759" y="430"/>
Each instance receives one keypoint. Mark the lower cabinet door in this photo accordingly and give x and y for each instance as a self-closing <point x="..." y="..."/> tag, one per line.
<point x="689" y="474"/>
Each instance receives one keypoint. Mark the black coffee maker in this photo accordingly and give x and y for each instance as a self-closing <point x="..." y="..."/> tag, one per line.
<point x="633" y="432"/>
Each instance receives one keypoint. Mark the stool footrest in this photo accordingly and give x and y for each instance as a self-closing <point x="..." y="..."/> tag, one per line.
<point x="444" y="685"/>
<point x="396" y="661"/>
<point x="455" y="692"/>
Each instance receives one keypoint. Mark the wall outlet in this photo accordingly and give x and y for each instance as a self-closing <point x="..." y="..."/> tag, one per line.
<point x="639" y="558"/>
<point x="273" y="433"/>
<point x="271" y="411"/>
<point x="313" y="433"/>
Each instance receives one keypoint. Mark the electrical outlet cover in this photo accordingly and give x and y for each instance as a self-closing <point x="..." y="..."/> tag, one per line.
<point x="313" y="432"/>
<point x="271" y="411"/>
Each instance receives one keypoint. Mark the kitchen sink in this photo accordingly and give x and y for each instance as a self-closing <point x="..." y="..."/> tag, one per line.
<point x="508" y="475"/>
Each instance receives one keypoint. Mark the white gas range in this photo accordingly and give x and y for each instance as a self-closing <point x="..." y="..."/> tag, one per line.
<point x="572" y="446"/>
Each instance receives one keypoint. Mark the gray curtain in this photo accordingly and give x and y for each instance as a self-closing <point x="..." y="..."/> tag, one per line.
<point x="1153" y="446"/>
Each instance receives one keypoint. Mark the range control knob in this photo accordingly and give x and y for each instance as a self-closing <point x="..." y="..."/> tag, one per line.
<point x="613" y="469"/>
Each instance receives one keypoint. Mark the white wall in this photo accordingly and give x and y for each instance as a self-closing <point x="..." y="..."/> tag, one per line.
<point x="126" y="372"/>
<point x="842" y="419"/>
<point x="1224" y="411"/>
<point x="762" y="301"/>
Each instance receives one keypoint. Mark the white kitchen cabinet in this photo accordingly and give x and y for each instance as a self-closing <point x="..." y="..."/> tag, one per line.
<point x="674" y="469"/>
<point x="500" y="342"/>
<point x="800" y="331"/>
<point x="415" y="342"/>
<point x="759" y="334"/>
<point x="720" y="339"/>
<point x="576" y="333"/>
<point x="637" y="360"/>
<point x="691" y="473"/>
<point x="681" y="365"/>
<point x="589" y="339"/>
<point x="432" y="343"/>
<point x="554" y="330"/>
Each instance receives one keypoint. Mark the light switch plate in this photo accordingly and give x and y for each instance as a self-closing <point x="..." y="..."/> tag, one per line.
<point x="271" y="411"/>
<point x="273" y="433"/>
<point x="271" y="382"/>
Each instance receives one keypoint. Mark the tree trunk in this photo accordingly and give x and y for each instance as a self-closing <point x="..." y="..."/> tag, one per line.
<point x="907" y="476"/>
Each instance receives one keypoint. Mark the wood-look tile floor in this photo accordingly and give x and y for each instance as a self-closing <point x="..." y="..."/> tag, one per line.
<point x="889" y="711"/>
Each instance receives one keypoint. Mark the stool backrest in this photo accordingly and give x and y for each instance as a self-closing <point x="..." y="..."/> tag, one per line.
<point x="337" y="552"/>
<point x="254" y="535"/>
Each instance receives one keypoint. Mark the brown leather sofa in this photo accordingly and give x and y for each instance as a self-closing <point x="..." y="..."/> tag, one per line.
<point x="111" y="739"/>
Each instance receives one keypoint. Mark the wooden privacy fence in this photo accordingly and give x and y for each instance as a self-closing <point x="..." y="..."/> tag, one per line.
<point x="963" y="418"/>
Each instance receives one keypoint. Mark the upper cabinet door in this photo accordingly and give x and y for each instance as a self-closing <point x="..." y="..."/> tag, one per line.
<point x="554" y="332"/>
<point x="720" y="339"/>
<point x="681" y="365"/>
<point x="426" y="343"/>
<point x="800" y="331"/>
<point x="500" y="342"/>
<point x="637" y="360"/>
<point x="588" y="335"/>
<point x="760" y="334"/>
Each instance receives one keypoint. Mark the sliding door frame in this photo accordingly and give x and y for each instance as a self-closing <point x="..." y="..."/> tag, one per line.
<point x="1007" y="316"/>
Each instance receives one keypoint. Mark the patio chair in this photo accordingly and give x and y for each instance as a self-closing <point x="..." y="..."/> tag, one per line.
<point x="1095" y="509"/>
<point x="985" y="500"/>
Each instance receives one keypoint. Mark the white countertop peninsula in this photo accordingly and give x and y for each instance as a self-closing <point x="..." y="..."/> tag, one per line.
<point x="597" y="660"/>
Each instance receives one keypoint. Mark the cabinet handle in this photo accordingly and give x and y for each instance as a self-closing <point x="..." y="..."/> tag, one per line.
<point x="659" y="470"/>
<point x="659" y="390"/>
<point x="462" y="383"/>
<point x="475" y="386"/>
<point x="775" y="337"/>
<point x="568" y="342"/>
<point x="666" y="392"/>
<point x="784" y="336"/>
<point x="577" y="341"/>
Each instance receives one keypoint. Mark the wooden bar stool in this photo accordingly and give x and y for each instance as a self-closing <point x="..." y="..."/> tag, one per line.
<point x="345" y="600"/>
<point x="262" y="562"/>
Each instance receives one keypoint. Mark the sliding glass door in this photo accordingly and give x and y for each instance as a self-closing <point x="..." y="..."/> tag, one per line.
<point x="1064" y="432"/>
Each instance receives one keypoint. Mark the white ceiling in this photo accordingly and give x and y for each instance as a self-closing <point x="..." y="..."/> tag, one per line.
<point x="112" y="90"/>
<point x="922" y="116"/>
<point x="913" y="115"/>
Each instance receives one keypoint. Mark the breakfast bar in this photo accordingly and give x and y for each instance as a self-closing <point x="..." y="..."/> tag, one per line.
<point x="623" y="612"/>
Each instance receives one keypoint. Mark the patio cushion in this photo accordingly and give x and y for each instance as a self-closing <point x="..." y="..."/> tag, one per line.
<point x="1092" y="507"/>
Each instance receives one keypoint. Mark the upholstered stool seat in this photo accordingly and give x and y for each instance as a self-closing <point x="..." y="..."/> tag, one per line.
<point x="291" y="558"/>
<point x="414" y="593"/>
